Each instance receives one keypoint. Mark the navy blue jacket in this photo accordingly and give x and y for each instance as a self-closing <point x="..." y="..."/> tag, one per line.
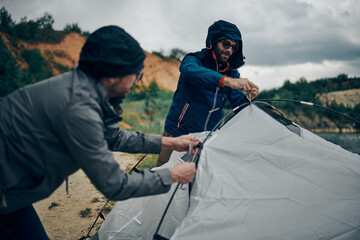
<point x="198" y="90"/>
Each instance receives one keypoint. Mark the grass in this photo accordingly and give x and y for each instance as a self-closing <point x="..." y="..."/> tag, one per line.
<point x="146" y="115"/>
<point x="86" y="212"/>
<point x="107" y="209"/>
<point x="147" y="163"/>
<point x="52" y="205"/>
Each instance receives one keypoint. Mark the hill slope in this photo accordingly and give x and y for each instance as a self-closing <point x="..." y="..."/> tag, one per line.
<point x="349" y="98"/>
<point x="66" y="53"/>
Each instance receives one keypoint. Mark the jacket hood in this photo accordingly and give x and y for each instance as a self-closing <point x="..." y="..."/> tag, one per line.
<point x="231" y="31"/>
<point x="111" y="52"/>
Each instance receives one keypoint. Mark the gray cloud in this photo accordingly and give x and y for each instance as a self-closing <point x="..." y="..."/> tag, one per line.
<point x="276" y="33"/>
<point x="306" y="34"/>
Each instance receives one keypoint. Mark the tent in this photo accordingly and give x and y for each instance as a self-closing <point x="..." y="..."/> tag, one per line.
<point x="257" y="178"/>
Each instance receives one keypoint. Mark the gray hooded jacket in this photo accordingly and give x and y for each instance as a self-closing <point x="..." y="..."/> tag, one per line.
<point x="51" y="129"/>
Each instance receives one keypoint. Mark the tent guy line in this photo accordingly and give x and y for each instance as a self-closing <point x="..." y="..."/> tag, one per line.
<point x="309" y="104"/>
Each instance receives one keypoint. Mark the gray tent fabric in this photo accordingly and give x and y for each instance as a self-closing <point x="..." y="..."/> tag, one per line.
<point x="138" y="218"/>
<point x="256" y="179"/>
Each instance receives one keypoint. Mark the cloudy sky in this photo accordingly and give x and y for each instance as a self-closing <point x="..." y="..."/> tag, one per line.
<point x="283" y="39"/>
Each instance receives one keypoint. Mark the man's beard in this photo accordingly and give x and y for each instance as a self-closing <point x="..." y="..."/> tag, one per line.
<point x="219" y="56"/>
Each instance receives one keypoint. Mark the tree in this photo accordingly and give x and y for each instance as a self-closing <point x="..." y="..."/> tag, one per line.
<point x="39" y="68"/>
<point x="6" y="23"/>
<point x="177" y="54"/>
<point x="72" y="28"/>
<point x="8" y="71"/>
<point x="46" y="22"/>
<point x="154" y="90"/>
<point x="159" y="53"/>
<point x="27" y="30"/>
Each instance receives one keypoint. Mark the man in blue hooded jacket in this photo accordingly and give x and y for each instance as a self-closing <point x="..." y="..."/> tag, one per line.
<point x="208" y="79"/>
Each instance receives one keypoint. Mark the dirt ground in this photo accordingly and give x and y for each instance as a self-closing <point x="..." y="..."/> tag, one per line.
<point x="64" y="221"/>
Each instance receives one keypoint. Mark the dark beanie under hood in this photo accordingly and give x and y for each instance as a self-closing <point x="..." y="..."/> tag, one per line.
<point x="111" y="52"/>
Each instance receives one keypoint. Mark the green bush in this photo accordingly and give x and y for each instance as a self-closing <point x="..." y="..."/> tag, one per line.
<point x="86" y="212"/>
<point x="9" y="71"/>
<point x="148" y="162"/>
<point x="72" y="28"/>
<point x="150" y="111"/>
<point x="39" y="69"/>
<point x="52" y="205"/>
<point x="177" y="54"/>
<point x="6" y="22"/>
<point x="159" y="54"/>
<point x="306" y="91"/>
<point x="27" y="30"/>
<point x="32" y="31"/>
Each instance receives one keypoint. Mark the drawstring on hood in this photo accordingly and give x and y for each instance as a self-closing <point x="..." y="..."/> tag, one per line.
<point x="3" y="201"/>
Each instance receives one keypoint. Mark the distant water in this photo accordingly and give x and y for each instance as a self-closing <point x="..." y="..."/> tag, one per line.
<point x="348" y="141"/>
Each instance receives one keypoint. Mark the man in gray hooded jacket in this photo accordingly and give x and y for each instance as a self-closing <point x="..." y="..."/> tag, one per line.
<point x="51" y="129"/>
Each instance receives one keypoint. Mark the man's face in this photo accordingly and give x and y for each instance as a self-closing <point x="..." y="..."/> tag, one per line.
<point x="121" y="86"/>
<point x="224" y="49"/>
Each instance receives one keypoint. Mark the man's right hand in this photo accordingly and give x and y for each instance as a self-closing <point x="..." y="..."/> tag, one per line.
<point x="242" y="83"/>
<point x="183" y="172"/>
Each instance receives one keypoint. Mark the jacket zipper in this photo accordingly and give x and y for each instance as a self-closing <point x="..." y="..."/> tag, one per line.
<point x="214" y="103"/>
<point x="213" y="107"/>
<point x="183" y="113"/>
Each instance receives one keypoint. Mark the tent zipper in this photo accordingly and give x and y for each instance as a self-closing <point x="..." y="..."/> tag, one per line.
<point x="211" y="111"/>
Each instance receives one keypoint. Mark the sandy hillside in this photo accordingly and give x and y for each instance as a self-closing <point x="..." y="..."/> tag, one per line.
<point x="164" y="72"/>
<point x="349" y="98"/>
<point x="64" y="222"/>
<point x="67" y="53"/>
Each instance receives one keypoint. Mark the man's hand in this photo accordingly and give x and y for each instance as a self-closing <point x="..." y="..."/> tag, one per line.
<point x="180" y="144"/>
<point x="244" y="84"/>
<point x="183" y="172"/>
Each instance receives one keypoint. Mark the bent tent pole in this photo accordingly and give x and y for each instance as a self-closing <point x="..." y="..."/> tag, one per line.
<point x="309" y="104"/>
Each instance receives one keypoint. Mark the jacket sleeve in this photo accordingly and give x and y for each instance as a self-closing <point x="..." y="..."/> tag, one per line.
<point x="82" y="132"/>
<point x="193" y="72"/>
<point x="131" y="141"/>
